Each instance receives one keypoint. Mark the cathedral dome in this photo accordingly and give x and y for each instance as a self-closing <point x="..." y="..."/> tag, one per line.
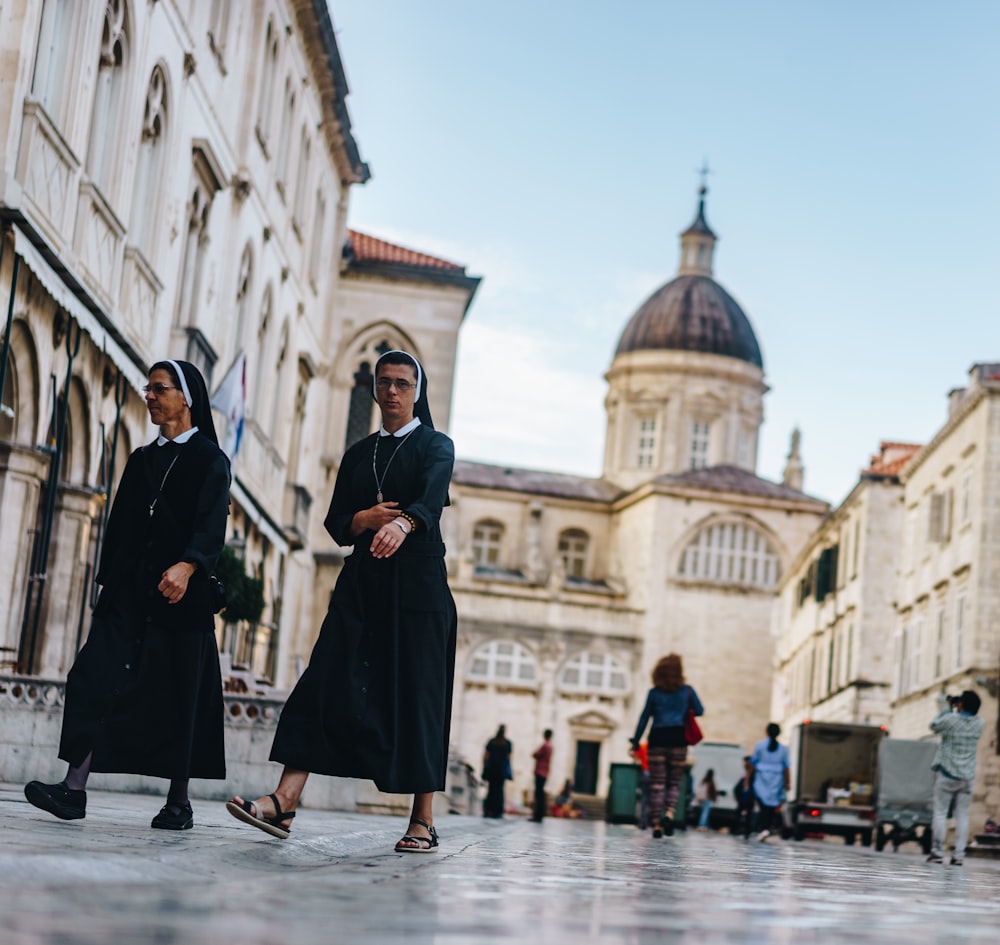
<point x="692" y="313"/>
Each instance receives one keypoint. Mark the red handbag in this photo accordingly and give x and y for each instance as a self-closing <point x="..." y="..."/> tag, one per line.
<point x="692" y="730"/>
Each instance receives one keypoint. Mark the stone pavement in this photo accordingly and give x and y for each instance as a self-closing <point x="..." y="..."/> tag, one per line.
<point x="111" y="880"/>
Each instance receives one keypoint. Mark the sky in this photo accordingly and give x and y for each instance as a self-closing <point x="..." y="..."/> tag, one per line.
<point x="552" y="148"/>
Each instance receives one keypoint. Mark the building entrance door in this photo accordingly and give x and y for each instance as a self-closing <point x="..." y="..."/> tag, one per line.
<point x="587" y="761"/>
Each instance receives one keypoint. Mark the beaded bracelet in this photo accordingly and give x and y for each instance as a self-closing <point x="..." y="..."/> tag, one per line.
<point x="409" y="518"/>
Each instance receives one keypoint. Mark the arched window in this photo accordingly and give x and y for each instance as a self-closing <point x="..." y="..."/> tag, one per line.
<point x="731" y="553"/>
<point x="244" y="280"/>
<point x="595" y="673"/>
<point x="487" y="543"/>
<point x="150" y="166"/>
<point x="109" y="96"/>
<point x="48" y="84"/>
<point x="265" y="102"/>
<point x="573" y="551"/>
<point x="8" y="403"/>
<point x="285" y="139"/>
<point x="302" y="182"/>
<point x="502" y="661"/>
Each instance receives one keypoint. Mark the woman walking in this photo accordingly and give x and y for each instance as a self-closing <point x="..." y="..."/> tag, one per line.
<point x="706" y="795"/>
<point x="496" y="770"/>
<point x="375" y="700"/>
<point x="144" y="695"/>
<point x="667" y="705"/>
<point x="770" y="780"/>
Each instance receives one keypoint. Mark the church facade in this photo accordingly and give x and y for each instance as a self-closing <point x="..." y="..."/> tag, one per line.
<point x="570" y="588"/>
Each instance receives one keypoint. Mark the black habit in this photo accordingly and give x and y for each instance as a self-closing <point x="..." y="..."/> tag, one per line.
<point x="145" y="692"/>
<point x="375" y="700"/>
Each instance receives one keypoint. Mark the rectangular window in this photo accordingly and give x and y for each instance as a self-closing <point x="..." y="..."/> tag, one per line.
<point x="939" y="646"/>
<point x="959" y="630"/>
<point x="904" y="661"/>
<point x="699" y="444"/>
<point x="916" y="650"/>
<point x="857" y="545"/>
<point x="965" y="510"/>
<point x="646" y="455"/>
<point x="849" y="657"/>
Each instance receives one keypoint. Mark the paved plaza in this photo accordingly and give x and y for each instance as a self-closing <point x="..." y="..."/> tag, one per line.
<point x="111" y="880"/>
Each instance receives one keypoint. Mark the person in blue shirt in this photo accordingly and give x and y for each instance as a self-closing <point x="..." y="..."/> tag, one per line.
<point x="666" y="706"/>
<point x="770" y="780"/>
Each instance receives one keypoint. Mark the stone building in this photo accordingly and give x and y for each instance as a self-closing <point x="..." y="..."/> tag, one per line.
<point x="947" y="636"/>
<point x="893" y="600"/>
<point x="835" y="606"/>
<point x="569" y="589"/>
<point x="174" y="182"/>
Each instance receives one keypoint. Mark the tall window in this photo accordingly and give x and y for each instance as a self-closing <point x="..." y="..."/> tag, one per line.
<point x="699" y="444"/>
<point x="108" y="99"/>
<point x="916" y="652"/>
<point x="503" y="661"/>
<point x="573" y="551"/>
<point x="244" y="279"/>
<point x="959" y="630"/>
<point x="265" y="101"/>
<point x="262" y="376"/>
<point x="318" y="246"/>
<point x="594" y="672"/>
<point x="965" y="502"/>
<point x="285" y="139"/>
<point x="279" y="369"/>
<point x="218" y="27"/>
<point x="854" y="550"/>
<point x="731" y="553"/>
<point x="48" y="83"/>
<point x="302" y="182"/>
<point x="849" y="657"/>
<point x="939" y="645"/>
<point x="195" y="252"/>
<point x="904" y="661"/>
<point x="646" y="453"/>
<point x="150" y="165"/>
<point x="487" y="544"/>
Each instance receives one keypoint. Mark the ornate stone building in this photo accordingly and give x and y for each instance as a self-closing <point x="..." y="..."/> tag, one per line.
<point x="569" y="588"/>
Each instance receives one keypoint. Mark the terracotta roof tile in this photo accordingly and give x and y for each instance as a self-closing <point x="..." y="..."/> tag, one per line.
<point x="365" y="248"/>
<point x="891" y="459"/>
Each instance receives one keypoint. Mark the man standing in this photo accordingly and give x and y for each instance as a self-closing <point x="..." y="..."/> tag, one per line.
<point x="955" y="763"/>
<point x="543" y="758"/>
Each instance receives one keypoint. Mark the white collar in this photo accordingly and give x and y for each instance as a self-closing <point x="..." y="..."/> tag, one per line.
<point x="161" y="440"/>
<point x="402" y="431"/>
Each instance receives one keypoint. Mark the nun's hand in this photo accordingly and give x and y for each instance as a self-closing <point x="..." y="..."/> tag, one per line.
<point x="371" y="520"/>
<point x="174" y="581"/>
<point x="387" y="540"/>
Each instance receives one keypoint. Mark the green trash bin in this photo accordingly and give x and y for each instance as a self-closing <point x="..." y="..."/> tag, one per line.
<point x="684" y="798"/>
<point x="623" y="793"/>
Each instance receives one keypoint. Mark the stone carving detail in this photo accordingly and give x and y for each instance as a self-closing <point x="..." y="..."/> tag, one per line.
<point x="48" y="168"/>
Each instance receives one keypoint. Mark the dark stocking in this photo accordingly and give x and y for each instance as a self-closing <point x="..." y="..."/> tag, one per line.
<point x="76" y="778"/>
<point x="177" y="796"/>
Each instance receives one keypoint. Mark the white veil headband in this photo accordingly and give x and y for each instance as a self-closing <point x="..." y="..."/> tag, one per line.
<point x="185" y="390"/>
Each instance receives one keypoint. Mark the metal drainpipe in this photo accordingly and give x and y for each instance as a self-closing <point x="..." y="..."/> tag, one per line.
<point x="45" y="538"/>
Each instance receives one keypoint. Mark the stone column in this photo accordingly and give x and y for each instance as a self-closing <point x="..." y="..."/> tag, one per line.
<point x="22" y="472"/>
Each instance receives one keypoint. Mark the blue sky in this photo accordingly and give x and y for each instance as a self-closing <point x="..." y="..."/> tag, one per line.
<point x="551" y="147"/>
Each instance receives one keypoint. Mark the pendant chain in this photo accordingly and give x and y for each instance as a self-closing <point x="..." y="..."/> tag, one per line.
<point x="378" y="482"/>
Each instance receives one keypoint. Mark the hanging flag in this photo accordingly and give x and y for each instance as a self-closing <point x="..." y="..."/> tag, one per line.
<point x="230" y="399"/>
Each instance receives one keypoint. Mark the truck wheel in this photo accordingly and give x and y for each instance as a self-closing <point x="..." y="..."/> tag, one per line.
<point x="880" y="838"/>
<point x="866" y="838"/>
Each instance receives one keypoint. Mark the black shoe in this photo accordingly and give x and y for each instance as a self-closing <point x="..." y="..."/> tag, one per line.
<point x="657" y="833"/>
<point x="174" y="817"/>
<point x="57" y="799"/>
<point x="957" y="861"/>
<point x="668" y="826"/>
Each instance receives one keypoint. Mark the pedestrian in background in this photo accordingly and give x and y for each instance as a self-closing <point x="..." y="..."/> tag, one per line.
<point x="960" y="728"/>
<point x="743" y="793"/>
<point x="770" y="780"/>
<point x="496" y="772"/>
<point x="144" y="695"/>
<point x="706" y="795"/>
<point x="375" y="700"/>
<point x="667" y="704"/>
<point x="543" y="760"/>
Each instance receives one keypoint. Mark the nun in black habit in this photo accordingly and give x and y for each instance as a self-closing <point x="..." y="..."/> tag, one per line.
<point x="375" y="700"/>
<point x="144" y="695"/>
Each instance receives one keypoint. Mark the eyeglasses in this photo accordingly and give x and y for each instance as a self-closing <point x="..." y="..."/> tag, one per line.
<point x="158" y="389"/>
<point x="403" y="386"/>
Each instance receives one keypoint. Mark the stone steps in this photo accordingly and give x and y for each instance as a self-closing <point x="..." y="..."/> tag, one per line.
<point x="985" y="845"/>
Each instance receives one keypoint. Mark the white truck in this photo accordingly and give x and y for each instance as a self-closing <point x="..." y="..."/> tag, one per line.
<point x="905" y="805"/>
<point x="834" y="777"/>
<point x="725" y="759"/>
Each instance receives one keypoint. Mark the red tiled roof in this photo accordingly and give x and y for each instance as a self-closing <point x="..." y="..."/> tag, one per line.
<point x="367" y="248"/>
<point x="891" y="459"/>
